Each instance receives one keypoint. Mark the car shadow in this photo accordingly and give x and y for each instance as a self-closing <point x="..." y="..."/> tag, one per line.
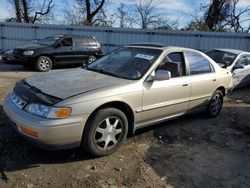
<point x="197" y="152"/>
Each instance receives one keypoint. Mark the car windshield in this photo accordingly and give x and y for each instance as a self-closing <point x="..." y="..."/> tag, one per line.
<point x="222" y="57"/>
<point x="48" y="41"/>
<point x="128" y="63"/>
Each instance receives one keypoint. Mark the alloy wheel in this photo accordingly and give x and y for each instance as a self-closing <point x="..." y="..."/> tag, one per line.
<point x="44" y="64"/>
<point x="108" y="133"/>
<point x="216" y="104"/>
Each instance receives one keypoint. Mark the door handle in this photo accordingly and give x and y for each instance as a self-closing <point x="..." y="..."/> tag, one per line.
<point x="214" y="79"/>
<point x="184" y="85"/>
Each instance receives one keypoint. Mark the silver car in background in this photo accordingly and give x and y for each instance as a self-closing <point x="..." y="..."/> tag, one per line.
<point x="97" y="106"/>
<point x="235" y="61"/>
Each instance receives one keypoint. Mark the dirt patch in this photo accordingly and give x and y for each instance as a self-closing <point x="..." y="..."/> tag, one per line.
<point x="191" y="151"/>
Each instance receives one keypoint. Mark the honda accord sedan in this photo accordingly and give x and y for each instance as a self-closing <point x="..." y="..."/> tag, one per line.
<point x="97" y="106"/>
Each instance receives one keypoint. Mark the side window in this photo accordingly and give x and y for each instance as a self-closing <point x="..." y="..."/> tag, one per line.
<point x="66" y="42"/>
<point x="81" y="42"/>
<point x="248" y="60"/>
<point x="91" y="42"/>
<point x="244" y="61"/>
<point x="198" y="64"/>
<point x="174" y="62"/>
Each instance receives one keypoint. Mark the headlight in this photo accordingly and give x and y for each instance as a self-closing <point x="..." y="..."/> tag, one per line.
<point x="48" y="112"/>
<point x="28" y="52"/>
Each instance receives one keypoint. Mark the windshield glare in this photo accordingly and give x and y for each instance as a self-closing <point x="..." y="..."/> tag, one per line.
<point x="222" y="57"/>
<point x="129" y="63"/>
<point x="48" y="41"/>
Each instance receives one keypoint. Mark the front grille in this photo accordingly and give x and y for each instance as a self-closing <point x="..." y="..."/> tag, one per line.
<point x="17" y="101"/>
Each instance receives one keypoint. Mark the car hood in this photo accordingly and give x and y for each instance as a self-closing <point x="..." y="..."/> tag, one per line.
<point x="31" y="47"/>
<point x="65" y="84"/>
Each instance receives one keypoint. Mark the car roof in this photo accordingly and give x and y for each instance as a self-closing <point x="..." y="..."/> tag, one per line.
<point x="234" y="51"/>
<point x="69" y="35"/>
<point x="158" y="46"/>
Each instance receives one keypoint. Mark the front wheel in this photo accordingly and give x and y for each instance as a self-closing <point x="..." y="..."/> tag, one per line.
<point x="43" y="64"/>
<point x="105" y="132"/>
<point x="215" y="104"/>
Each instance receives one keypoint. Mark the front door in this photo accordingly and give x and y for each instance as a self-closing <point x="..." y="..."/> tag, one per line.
<point x="64" y="52"/>
<point x="167" y="98"/>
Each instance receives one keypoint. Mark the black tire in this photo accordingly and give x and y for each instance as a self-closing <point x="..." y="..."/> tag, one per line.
<point x="91" y="59"/>
<point x="215" y="105"/>
<point x="99" y="138"/>
<point x="43" y="64"/>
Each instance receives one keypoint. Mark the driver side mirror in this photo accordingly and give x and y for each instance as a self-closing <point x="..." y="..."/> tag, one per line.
<point x="161" y="75"/>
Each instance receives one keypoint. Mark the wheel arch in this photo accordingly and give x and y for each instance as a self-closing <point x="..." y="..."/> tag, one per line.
<point x="124" y="107"/>
<point x="222" y="89"/>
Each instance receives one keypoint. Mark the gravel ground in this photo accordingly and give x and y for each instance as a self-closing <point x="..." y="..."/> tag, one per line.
<point x="191" y="151"/>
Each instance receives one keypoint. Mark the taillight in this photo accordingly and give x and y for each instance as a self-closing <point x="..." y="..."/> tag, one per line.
<point x="101" y="52"/>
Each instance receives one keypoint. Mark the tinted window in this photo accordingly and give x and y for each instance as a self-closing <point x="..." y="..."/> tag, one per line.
<point x="66" y="42"/>
<point x="175" y="57"/>
<point x="174" y="63"/>
<point x="81" y="41"/>
<point x="92" y="42"/>
<point x="48" y="41"/>
<point x="198" y="64"/>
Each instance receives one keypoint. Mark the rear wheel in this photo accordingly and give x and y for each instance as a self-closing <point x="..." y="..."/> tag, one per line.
<point x="105" y="132"/>
<point x="91" y="59"/>
<point x="215" y="104"/>
<point x="43" y="64"/>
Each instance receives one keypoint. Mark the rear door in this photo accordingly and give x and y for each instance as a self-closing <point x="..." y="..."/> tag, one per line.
<point x="64" y="52"/>
<point x="202" y="77"/>
<point x="241" y="77"/>
<point x="81" y="49"/>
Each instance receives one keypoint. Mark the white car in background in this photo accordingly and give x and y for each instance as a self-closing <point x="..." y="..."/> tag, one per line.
<point x="235" y="61"/>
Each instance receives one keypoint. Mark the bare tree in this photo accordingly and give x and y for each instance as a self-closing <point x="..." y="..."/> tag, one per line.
<point x="124" y="16"/>
<point x="18" y="10"/>
<point x="235" y="20"/>
<point x="147" y="12"/>
<point x="216" y="13"/>
<point x="90" y="9"/>
<point x="24" y="12"/>
<point x="73" y="14"/>
<point x="220" y="15"/>
<point x="121" y="15"/>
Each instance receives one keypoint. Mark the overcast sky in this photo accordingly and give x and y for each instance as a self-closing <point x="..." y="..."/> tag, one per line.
<point x="173" y="9"/>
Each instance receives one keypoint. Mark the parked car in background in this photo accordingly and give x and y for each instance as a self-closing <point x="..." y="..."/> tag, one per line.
<point x="96" y="106"/>
<point x="235" y="61"/>
<point x="56" y="50"/>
